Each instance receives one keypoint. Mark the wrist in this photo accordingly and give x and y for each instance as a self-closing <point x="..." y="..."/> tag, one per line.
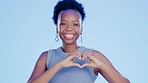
<point x="103" y="66"/>
<point x="59" y="65"/>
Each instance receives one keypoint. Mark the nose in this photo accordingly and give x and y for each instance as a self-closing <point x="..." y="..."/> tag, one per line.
<point x="69" y="27"/>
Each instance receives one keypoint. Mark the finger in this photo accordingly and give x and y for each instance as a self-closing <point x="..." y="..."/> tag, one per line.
<point x="85" y="65"/>
<point x="76" y="64"/>
<point x="84" y="55"/>
<point x="84" y="52"/>
<point x="71" y="57"/>
<point x="77" y="54"/>
<point x="90" y="57"/>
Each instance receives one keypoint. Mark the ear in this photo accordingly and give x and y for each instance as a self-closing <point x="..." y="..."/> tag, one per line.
<point x="57" y="30"/>
<point x="81" y="30"/>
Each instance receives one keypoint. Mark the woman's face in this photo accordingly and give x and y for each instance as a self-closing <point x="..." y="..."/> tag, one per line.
<point x="69" y="26"/>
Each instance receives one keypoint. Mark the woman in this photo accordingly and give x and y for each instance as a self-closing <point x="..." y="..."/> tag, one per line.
<point x="72" y="63"/>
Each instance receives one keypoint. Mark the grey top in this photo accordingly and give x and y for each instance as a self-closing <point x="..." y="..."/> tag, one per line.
<point x="70" y="74"/>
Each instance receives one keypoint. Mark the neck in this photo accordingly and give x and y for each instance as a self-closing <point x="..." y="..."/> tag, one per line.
<point x="69" y="48"/>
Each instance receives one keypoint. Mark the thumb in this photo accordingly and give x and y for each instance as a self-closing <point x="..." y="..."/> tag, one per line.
<point x="76" y="64"/>
<point x="85" y="65"/>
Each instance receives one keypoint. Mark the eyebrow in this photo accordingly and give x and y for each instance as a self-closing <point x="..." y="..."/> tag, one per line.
<point x="72" y="21"/>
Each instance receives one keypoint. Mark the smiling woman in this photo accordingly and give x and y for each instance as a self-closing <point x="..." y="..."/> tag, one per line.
<point x="71" y="62"/>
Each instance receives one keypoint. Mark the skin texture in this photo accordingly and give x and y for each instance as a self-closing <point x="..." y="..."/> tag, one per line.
<point x="69" y="30"/>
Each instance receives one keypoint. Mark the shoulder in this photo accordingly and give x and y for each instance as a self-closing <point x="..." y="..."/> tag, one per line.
<point x="100" y="56"/>
<point x="44" y="55"/>
<point x="97" y="53"/>
<point x="40" y="65"/>
<point x="42" y="58"/>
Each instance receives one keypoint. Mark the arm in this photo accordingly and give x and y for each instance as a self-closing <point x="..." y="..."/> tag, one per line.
<point x="40" y="75"/>
<point x="106" y="69"/>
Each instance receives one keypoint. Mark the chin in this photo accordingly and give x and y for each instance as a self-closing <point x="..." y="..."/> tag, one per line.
<point x="69" y="42"/>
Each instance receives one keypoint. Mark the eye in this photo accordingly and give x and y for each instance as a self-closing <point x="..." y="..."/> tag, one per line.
<point x="62" y="23"/>
<point x="76" y="24"/>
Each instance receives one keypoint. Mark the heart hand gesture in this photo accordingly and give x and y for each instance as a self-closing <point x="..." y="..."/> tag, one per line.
<point x="93" y="61"/>
<point x="68" y="61"/>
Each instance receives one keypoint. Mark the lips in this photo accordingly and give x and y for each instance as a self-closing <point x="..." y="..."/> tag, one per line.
<point x="69" y="36"/>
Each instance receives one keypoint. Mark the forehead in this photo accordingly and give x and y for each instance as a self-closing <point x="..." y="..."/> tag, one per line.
<point x="70" y="14"/>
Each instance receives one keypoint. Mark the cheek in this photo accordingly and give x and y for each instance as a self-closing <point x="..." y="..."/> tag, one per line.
<point x="78" y="30"/>
<point x="60" y="28"/>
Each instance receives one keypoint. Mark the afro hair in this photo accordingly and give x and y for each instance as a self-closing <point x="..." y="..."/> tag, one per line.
<point x="65" y="5"/>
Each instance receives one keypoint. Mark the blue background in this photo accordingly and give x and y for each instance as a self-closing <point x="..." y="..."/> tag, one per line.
<point x="117" y="28"/>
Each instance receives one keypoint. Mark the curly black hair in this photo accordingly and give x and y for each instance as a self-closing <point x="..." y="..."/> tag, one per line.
<point x="67" y="4"/>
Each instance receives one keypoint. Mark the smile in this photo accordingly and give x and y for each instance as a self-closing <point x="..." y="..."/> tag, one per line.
<point x="69" y="36"/>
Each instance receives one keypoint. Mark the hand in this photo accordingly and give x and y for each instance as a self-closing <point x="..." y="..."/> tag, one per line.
<point x="93" y="61"/>
<point x="68" y="61"/>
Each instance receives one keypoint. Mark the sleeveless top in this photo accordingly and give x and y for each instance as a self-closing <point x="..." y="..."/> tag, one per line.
<point x="70" y="74"/>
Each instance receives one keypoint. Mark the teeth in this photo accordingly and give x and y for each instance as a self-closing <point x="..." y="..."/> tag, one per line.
<point x="69" y="35"/>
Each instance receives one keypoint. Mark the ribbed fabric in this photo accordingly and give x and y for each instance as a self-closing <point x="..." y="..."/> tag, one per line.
<point x="70" y="74"/>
